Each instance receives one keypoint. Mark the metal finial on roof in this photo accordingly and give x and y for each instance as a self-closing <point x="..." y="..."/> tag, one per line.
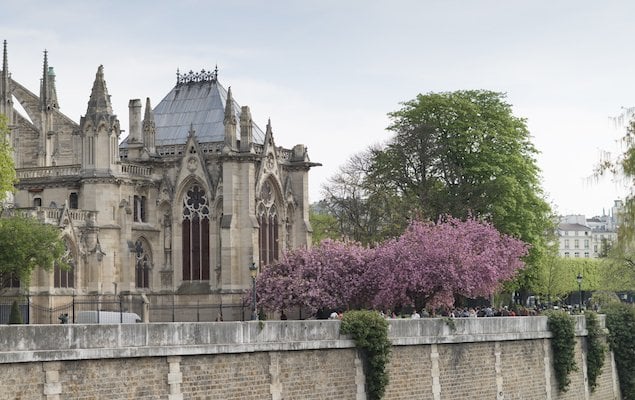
<point x="196" y="77"/>
<point x="178" y="76"/>
<point x="216" y="71"/>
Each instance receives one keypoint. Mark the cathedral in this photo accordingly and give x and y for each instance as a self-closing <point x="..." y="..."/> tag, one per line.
<point x="194" y="196"/>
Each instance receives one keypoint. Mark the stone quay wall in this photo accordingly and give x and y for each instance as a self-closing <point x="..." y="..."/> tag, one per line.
<point x="480" y="358"/>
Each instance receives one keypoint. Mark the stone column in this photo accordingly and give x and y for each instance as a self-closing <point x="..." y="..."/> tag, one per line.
<point x="435" y="372"/>
<point x="360" y="378"/>
<point x="175" y="378"/>
<point x="52" y="386"/>
<point x="275" y="388"/>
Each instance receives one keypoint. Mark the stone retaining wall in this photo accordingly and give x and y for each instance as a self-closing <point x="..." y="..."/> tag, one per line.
<point x="482" y="358"/>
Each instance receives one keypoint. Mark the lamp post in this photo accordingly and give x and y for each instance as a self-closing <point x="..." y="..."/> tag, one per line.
<point x="253" y="270"/>
<point x="579" y="279"/>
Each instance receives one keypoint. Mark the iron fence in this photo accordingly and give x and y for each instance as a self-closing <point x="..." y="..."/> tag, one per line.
<point x="193" y="308"/>
<point x="56" y="309"/>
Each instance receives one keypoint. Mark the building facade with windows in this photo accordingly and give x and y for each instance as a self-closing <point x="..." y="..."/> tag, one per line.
<point x="580" y="237"/>
<point x="575" y="240"/>
<point x="194" y="195"/>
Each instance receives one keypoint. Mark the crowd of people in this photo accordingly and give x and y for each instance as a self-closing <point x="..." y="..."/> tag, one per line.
<point x="466" y="312"/>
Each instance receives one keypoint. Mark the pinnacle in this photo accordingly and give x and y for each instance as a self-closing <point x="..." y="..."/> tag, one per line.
<point x="148" y="111"/>
<point x="99" y="102"/>
<point x="229" y="108"/>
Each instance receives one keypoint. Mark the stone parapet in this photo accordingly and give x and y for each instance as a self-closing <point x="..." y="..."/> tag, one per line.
<point x="27" y="343"/>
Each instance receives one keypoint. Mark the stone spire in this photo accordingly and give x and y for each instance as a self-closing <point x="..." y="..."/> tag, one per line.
<point x="6" y="100"/>
<point x="149" y="128"/>
<point x="230" y="121"/>
<point x="269" y="130"/>
<point x="44" y="83"/>
<point x="5" y="59"/>
<point x="48" y="93"/>
<point x="99" y="102"/>
<point x="230" y="116"/>
<point x="100" y="130"/>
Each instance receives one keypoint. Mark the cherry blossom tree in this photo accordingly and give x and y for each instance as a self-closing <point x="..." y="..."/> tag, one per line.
<point x="428" y="265"/>
<point x="431" y="263"/>
<point x="326" y="276"/>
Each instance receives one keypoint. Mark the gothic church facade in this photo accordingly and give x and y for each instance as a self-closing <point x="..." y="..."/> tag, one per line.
<point x="194" y="195"/>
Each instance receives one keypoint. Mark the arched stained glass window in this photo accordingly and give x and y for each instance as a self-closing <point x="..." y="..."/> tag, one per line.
<point x="268" y="221"/>
<point x="195" y="233"/>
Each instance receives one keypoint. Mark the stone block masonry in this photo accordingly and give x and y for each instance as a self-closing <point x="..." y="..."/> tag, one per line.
<point x="486" y="358"/>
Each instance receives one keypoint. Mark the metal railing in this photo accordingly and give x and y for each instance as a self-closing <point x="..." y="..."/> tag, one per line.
<point x="55" y="309"/>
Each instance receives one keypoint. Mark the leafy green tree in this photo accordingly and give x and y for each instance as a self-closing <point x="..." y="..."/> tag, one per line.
<point x="26" y="244"/>
<point x="557" y="277"/>
<point x="365" y="212"/>
<point x="7" y="167"/>
<point x="459" y="153"/>
<point x="621" y="255"/>
<point x="551" y="282"/>
<point x="324" y="224"/>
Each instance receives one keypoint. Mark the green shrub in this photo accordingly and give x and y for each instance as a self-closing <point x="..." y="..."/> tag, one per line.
<point x="370" y="333"/>
<point x="596" y="349"/>
<point x="562" y="326"/>
<point x="15" y="317"/>
<point x="620" y="321"/>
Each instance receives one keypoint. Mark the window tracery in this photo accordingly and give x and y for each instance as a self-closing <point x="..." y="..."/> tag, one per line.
<point x="142" y="265"/>
<point x="65" y="278"/>
<point x="195" y="233"/>
<point x="268" y="235"/>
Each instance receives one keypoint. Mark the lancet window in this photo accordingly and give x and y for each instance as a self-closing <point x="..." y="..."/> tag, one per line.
<point x="65" y="278"/>
<point x="268" y="220"/>
<point x="142" y="265"/>
<point x="73" y="201"/>
<point x="195" y="233"/>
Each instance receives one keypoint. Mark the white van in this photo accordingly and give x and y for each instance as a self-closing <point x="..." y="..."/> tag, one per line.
<point x="106" y="317"/>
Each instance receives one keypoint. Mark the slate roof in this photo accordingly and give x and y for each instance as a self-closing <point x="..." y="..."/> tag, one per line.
<point x="200" y="105"/>
<point x="573" y="227"/>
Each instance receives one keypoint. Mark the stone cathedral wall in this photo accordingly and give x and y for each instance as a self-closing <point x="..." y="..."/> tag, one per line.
<point x="485" y="358"/>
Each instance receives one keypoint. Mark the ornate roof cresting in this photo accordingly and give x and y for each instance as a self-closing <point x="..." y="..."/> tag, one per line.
<point x="196" y="77"/>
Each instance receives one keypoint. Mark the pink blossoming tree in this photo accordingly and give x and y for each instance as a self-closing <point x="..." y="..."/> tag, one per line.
<point x="426" y="266"/>
<point x="431" y="263"/>
<point x="327" y="276"/>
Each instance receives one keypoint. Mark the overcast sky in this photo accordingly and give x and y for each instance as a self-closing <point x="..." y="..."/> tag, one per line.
<point x="327" y="72"/>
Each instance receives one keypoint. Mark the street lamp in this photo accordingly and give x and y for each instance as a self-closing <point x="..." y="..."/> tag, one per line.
<point x="579" y="279"/>
<point x="253" y="270"/>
